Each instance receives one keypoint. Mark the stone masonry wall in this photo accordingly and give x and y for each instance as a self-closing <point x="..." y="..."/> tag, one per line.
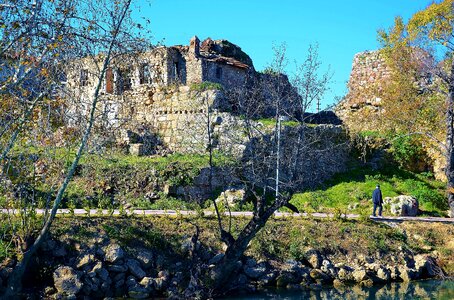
<point x="368" y="68"/>
<point x="360" y="109"/>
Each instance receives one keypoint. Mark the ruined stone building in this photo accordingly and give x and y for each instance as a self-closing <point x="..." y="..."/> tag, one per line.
<point x="362" y="107"/>
<point x="165" y="93"/>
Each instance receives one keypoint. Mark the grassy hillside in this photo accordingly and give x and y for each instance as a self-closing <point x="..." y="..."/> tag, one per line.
<point x="354" y="189"/>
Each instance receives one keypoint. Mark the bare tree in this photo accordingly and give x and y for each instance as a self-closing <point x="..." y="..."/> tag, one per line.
<point x="96" y="31"/>
<point x="273" y="160"/>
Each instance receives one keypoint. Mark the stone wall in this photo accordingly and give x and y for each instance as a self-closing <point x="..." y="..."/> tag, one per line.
<point x="368" y="69"/>
<point x="361" y="108"/>
<point x="159" y="95"/>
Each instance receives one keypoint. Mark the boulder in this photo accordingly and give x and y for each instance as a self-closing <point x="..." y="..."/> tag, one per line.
<point x="255" y="272"/>
<point x="344" y="274"/>
<point x="103" y="274"/>
<point x="95" y="269"/>
<point x="135" y="269"/>
<point x="138" y="292"/>
<point x="407" y="274"/>
<point x="338" y="284"/>
<point x="231" y="196"/>
<point x="383" y="274"/>
<point x="145" y="257"/>
<point x="217" y="258"/>
<point x="286" y="278"/>
<point x="117" y="268"/>
<point x="267" y="279"/>
<point x="147" y="283"/>
<point x="328" y="268"/>
<point x="85" y="260"/>
<point x="314" y="258"/>
<point x="359" y="275"/>
<point x="426" y="267"/>
<point x="160" y="283"/>
<point x="320" y="277"/>
<point x="131" y="281"/>
<point x="402" y="205"/>
<point x="66" y="280"/>
<point x="113" y="253"/>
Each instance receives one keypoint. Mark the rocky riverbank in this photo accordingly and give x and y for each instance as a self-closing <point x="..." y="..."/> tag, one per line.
<point x="149" y="257"/>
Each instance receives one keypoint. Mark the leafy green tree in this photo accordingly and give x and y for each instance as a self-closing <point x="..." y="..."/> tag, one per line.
<point x="421" y="56"/>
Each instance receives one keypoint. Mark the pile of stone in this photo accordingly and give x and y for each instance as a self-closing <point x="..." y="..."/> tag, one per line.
<point x="106" y="269"/>
<point x="316" y="270"/>
<point x="109" y="271"/>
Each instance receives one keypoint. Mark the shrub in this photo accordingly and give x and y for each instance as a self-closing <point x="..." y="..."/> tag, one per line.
<point x="407" y="151"/>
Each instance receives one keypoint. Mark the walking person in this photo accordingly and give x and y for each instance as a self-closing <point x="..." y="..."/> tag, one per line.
<point x="377" y="199"/>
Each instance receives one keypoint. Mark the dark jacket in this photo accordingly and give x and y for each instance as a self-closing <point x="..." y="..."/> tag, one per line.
<point x="377" y="197"/>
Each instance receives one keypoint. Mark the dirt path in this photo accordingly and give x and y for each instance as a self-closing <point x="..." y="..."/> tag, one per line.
<point x="175" y="213"/>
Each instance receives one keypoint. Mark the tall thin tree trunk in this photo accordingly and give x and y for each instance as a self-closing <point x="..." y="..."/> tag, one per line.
<point x="15" y="280"/>
<point x="450" y="142"/>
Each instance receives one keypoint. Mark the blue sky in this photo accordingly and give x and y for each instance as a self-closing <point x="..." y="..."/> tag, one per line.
<point x="341" y="28"/>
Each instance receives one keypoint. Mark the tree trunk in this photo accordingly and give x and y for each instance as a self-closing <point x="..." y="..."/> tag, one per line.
<point x="450" y="142"/>
<point x="15" y="280"/>
<point x="222" y="272"/>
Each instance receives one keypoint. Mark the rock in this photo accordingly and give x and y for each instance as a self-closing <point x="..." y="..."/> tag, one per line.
<point x="403" y="205"/>
<point x="328" y="268"/>
<point x="314" y="258"/>
<point x="267" y="279"/>
<point x="164" y="274"/>
<point x="113" y="253"/>
<point x="241" y="280"/>
<point x="320" y="277"/>
<point x="105" y="286"/>
<point x="119" y="283"/>
<point x="231" y="196"/>
<point x="217" y="258"/>
<point x="187" y="246"/>
<point x="366" y="283"/>
<point x="49" y="290"/>
<point x="135" y="269"/>
<point x="131" y="281"/>
<point x="147" y="283"/>
<point x="96" y="267"/>
<point x="48" y="245"/>
<point x="338" y="284"/>
<point x="383" y="274"/>
<point x="426" y="267"/>
<point x="117" y="268"/>
<point x="119" y="276"/>
<point x="145" y="257"/>
<point x="394" y="272"/>
<point x="255" y="272"/>
<point x="5" y="272"/>
<point x="177" y="279"/>
<point x="160" y="284"/>
<point x="285" y="278"/>
<point x="60" y="251"/>
<point x="344" y="274"/>
<point x="407" y="274"/>
<point x="103" y="274"/>
<point x="85" y="260"/>
<point x="66" y="280"/>
<point x="359" y="275"/>
<point x="250" y="262"/>
<point x="138" y="292"/>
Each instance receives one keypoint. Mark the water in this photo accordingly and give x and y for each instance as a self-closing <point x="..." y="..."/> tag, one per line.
<point x="426" y="289"/>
